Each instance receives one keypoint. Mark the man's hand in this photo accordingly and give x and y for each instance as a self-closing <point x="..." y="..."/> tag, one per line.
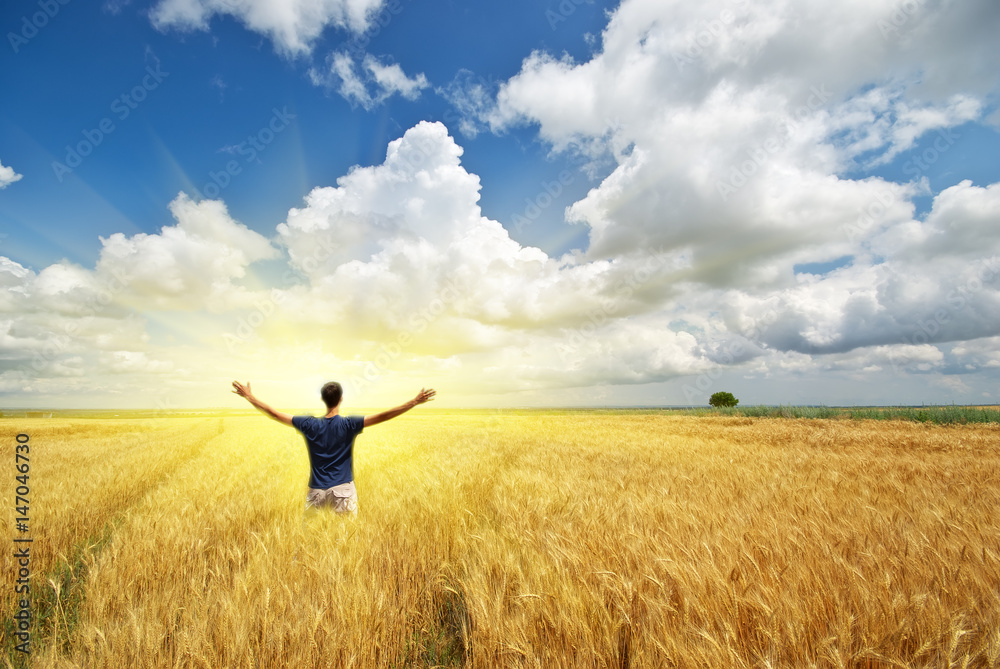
<point x="424" y="396"/>
<point x="242" y="390"/>
<point x="245" y="392"/>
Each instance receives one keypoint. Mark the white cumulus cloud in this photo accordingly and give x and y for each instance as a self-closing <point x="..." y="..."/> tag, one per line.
<point x="8" y="176"/>
<point x="369" y="85"/>
<point x="293" y="25"/>
<point x="401" y="252"/>
<point x="188" y="266"/>
<point x="733" y="127"/>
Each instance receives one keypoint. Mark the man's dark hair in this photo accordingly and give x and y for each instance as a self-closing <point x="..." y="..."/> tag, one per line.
<point x="331" y="394"/>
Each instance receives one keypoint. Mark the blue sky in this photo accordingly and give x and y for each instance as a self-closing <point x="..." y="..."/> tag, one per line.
<point x="591" y="203"/>
<point x="220" y="87"/>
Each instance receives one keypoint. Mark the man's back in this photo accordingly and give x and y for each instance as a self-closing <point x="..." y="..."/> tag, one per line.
<point x="330" y="442"/>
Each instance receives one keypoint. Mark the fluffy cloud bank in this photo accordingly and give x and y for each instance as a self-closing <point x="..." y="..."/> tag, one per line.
<point x="395" y="268"/>
<point x="71" y="330"/>
<point x="733" y="127"/>
<point x="400" y="252"/>
<point x="189" y="266"/>
<point x="740" y="230"/>
<point x="395" y="272"/>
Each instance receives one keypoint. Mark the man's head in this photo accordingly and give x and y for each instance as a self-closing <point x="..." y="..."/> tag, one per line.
<point x="331" y="394"/>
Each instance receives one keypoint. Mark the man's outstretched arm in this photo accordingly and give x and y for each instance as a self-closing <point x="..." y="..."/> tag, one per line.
<point x="244" y="392"/>
<point x="422" y="396"/>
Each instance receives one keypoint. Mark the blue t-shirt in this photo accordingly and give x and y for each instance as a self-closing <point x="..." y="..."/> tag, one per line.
<point x="330" y="442"/>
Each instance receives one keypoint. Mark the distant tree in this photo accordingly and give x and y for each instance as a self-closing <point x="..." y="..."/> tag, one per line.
<point x="723" y="399"/>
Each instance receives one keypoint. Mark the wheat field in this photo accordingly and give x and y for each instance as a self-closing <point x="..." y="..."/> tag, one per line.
<point x="524" y="539"/>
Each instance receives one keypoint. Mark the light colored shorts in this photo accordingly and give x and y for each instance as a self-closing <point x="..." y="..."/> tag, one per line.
<point x="341" y="498"/>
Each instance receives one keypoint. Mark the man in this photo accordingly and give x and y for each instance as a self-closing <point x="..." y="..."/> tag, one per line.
<point x="330" y="441"/>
